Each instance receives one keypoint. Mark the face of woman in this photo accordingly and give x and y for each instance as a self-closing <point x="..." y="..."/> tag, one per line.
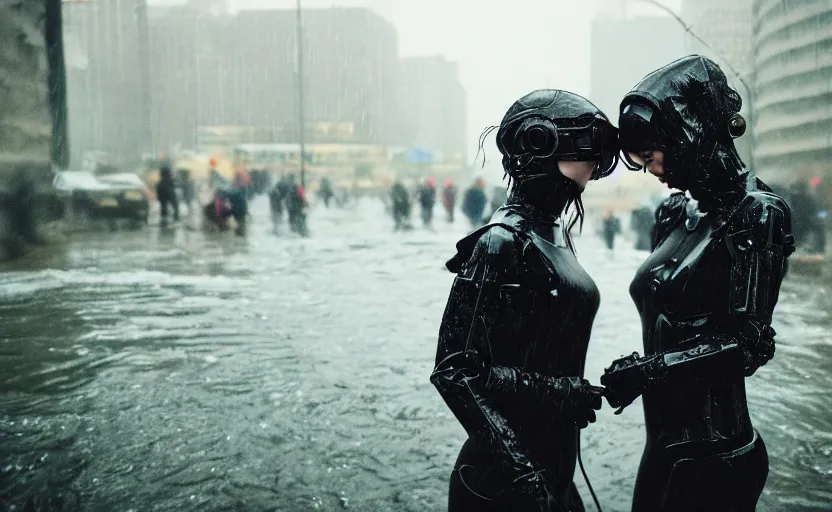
<point x="653" y="161"/>
<point x="579" y="172"/>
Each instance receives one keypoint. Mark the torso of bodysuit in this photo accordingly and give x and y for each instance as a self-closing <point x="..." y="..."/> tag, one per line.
<point x="546" y="312"/>
<point x="682" y="294"/>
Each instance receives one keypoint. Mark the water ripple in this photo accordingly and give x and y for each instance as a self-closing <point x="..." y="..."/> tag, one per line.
<point x="198" y="372"/>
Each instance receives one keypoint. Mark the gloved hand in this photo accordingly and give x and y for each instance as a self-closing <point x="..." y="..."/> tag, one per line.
<point x="757" y="346"/>
<point x="581" y="401"/>
<point x="625" y="380"/>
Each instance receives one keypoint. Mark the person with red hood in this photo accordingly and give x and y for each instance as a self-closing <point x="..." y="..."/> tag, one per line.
<point x="449" y="199"/>
<point x="296" y="205"/>
<point x="243" y="181"/>
<point x="427" y="199"/>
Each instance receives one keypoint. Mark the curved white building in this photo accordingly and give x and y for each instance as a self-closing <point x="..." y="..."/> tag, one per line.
<point x="793" y="88"/>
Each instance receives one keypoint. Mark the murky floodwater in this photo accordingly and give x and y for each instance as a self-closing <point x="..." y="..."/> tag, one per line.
<point x="190" y="372"/>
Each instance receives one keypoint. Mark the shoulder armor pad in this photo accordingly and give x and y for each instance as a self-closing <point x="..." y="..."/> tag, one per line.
<point x="668" y="215"/>
<point x="762" y="221"/>
<point x="494" y="243"/>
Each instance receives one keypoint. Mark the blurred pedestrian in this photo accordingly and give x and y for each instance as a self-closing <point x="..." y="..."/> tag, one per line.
<point x="296" y="207"/>
<point x="427" y="200"/>
<point x="325" y="191"/>
<point x="808" y="224"/>
<point x="641" y="223"/>
<point x="473" y="204"/>
<point x="400" y="206"/>
<point x="449" y="193"/>
<point x="611" y="228"/>
<point x="166" y="194"/>
<point x="499" y="196"/>
<point x="188" y="187"/>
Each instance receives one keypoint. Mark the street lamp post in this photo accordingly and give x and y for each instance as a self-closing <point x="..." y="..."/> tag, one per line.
<point x="57" y="84"/>
<point x="301" y="119"/>
<point x="144" y="77"/>
<point x="731" y="68"/>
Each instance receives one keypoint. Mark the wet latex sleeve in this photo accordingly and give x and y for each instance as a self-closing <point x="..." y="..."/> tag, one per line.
<point x="760" y="240"/>
<point x="472" y="388"/>
<point x="627" y="378"/>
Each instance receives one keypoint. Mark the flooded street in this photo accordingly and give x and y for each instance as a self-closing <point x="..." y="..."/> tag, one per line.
<point x="144" y="371"/>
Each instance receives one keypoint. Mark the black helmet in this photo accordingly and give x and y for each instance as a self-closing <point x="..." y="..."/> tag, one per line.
<point x="688" y="111"/>
<point x="554" y="125"/>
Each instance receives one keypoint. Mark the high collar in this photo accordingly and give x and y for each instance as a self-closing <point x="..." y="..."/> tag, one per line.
<point x="723" y="183"/>
<point x="544" y="198"/>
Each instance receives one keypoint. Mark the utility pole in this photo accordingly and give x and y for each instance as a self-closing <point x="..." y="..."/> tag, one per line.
<point x="57" y="84"/>
<point x="144" y="78"/>
<point x="731" y="68"/>
<point x="301" y="118"/>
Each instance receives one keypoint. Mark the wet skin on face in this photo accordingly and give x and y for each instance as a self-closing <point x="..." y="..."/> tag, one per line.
<point x="653" y="161"/>
<point x="579" y="172"/>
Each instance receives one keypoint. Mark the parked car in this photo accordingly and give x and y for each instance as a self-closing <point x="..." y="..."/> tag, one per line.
<point x="87" y="198"/>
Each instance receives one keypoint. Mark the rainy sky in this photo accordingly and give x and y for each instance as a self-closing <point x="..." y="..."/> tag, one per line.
<point x="505" y="49"/>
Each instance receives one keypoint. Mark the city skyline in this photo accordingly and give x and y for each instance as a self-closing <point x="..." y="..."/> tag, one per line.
<point x="503" y="51"/>
<point x="214" y="73"/>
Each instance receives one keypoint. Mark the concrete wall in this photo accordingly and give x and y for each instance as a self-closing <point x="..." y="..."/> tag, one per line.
<point x="32" y="117"/>
<point x="25" y="119"/>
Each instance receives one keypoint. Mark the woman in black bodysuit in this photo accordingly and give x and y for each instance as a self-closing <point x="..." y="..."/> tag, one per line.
<point x="705" y="295"/>
<point x="514" y="335"/>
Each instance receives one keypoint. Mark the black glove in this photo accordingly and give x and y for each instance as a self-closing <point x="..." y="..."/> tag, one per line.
<point x="625" y="380"/>
<point x="581" y="401"/>
<point x="757" y="345"/>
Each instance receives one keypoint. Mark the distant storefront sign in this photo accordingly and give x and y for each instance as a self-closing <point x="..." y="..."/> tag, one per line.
<point x="341" y="130"/>
<point x="418" y="156"/>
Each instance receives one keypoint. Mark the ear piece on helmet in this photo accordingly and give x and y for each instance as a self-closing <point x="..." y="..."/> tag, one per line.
<point x="736" y="126"/>
<point x="536" y="137"/>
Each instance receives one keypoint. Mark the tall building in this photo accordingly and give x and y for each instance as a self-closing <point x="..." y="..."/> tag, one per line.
<point x="793" y="128"/>
<point x="230" y="71"/>
<point x="384" y="8"/>
<point x="351" y="58"/>
<point x="26" y="127"/>
<point x="107" y="78"/>
<point x="199" y="74"/>
<point x="175" y="42"/>
<point x="624" y="50"/>
<point x="725" y="26"/>
<point x="433" y="107"/>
